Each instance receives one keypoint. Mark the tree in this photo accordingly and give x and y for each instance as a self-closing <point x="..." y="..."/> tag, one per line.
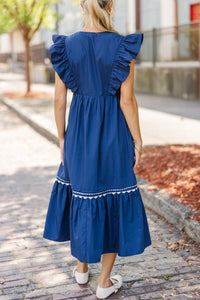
<point x="76" y="2"/>
<point x="27" y="16"/>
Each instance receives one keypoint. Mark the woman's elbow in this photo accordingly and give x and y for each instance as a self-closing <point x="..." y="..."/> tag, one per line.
<point x="126" y="101"/>
<point x="59" y="101"/>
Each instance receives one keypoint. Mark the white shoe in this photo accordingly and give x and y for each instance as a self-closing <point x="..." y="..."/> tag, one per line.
<point x="103" y="293"/>
<point x="81" y="278"/>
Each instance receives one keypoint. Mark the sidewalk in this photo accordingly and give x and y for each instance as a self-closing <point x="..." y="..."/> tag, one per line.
<point x="35" y="268"/>
<point x="163" y="120"/>
<point x="174" y="121"/>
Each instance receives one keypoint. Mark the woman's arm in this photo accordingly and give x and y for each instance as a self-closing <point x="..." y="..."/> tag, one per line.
<point x="129" y="108"/>
<point x="60" y="110"/>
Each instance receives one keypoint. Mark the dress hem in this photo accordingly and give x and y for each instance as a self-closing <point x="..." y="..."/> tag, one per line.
<point x="120" y="222"/>
<point x="118" y="254"/>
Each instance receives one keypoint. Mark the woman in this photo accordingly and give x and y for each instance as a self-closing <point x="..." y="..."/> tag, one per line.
<point x="95" y="201"/>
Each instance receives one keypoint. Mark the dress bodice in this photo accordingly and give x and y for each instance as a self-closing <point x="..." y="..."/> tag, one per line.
<point x="91" y="63"/>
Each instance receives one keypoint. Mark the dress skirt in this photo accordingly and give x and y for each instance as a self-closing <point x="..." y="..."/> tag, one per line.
<point x="95" y="202"/>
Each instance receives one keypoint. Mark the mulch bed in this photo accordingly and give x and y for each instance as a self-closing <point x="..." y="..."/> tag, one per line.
<point x="174" y="169"/>
<point x="32" y="94"/>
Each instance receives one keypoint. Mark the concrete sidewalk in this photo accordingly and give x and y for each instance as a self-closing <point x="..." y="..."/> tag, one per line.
<point x="158" y="127"/>
<point x="163" y="120"/>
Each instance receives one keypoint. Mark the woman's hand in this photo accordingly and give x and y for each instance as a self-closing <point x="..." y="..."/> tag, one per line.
<point x="61" y="142"/>
<point x="138" y="153"/>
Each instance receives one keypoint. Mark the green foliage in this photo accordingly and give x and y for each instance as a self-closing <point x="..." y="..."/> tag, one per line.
<point x="165" y="276"/>
<point x="6" y="23"/>
<point x="141" y="278"/>
<point x="76" y="2"/>
<point x="28" y="15"/>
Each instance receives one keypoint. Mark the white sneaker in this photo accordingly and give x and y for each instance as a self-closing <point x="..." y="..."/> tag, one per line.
<point x="103" y="293"/>
<point x="81" y="278"/>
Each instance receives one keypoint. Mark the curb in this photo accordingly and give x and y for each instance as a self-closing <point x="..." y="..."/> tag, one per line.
<point x="171" y="210"/>
<point x="36" y="121"/>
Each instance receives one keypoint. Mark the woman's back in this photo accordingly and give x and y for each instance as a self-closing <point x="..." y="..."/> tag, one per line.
<point x="93" y="63"/>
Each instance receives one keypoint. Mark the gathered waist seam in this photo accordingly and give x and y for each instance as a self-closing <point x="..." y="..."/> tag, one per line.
<point x="94" y="95"/>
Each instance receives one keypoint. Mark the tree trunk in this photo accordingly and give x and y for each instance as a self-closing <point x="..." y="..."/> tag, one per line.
<point x="28" y="65"/>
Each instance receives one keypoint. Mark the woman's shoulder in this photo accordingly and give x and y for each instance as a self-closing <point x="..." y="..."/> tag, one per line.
<point x="83" y="34"/>
<point x="116" y="37"/>
<point x="102" y="33"/>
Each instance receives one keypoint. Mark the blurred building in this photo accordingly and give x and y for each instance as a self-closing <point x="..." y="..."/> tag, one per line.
<point x="73" y="21"/>
<point x="12" y="47"/>
<point x="170" y="55"/>
<point x="169" y="61"/>
<point x="145" y="15"/>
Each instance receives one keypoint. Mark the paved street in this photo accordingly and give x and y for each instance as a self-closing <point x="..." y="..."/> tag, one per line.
<point x="34" y="268"/>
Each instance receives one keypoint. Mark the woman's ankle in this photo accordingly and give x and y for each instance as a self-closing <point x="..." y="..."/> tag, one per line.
<point x="82" y="267"/>
<point x="104" y="282"/>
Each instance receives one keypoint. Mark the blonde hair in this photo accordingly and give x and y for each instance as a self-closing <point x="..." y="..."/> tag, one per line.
<point x="99" y="15"/>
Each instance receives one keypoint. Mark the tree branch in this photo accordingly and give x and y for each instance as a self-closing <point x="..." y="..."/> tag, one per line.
<point x="39" y="23"/>
<point x="12" y="14"/>
<point x="32" y="6"/>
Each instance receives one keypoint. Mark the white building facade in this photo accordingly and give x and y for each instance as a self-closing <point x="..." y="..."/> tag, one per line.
<point x="131" y="16"/>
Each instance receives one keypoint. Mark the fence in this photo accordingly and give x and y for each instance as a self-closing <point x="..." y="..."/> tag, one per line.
<point x="178" y="43"/>
<point x="38" y="54"/>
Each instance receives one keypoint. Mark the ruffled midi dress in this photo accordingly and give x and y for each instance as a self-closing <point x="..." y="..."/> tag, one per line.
<point x="95" y="201"/>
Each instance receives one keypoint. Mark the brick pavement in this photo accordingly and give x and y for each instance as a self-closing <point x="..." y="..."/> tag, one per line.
<point x="34" y="268"/>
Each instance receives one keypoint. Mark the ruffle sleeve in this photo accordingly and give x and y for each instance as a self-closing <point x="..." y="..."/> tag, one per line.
<point x="128" y="49"/>
<point x="60" y="61"/>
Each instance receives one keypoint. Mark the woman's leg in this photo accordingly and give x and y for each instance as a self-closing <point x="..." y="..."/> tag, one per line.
<point x="108" y="260"/>
<point x="82" y="267"/>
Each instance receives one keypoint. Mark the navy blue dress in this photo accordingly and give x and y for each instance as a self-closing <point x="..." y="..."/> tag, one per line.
<point x="95" y="201"/>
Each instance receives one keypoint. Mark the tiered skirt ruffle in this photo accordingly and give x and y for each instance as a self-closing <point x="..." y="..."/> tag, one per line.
<point x="112" y="221"/>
